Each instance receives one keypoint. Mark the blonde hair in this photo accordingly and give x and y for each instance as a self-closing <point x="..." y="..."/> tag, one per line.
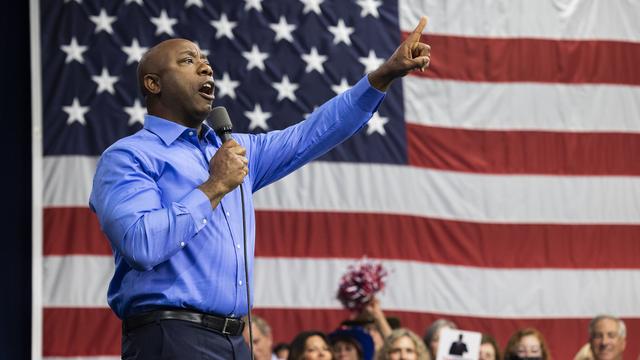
<point x="421" y="349"/>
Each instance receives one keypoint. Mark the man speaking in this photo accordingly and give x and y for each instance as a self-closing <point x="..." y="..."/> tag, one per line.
<point x="169" y="200"/>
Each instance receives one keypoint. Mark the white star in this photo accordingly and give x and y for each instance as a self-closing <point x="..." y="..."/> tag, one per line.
<point x="255" y="58"/>
<point x="224" y="27"/>
<point x="74" y="51"/>
<point x="197" y="3"/>
<point x="258" y="118"/>
<point x="226" y="86"/>
<point x="314" y="61"/>
<point x="134" y="52"/>
<point x="103" y="21"/>
<point x="376" y="124"/>
<point x="105" y="82"/>
<point x="76" y="112"/>
<point x="136" y="113"/>
<point x="256" y="4"/>
<point x="371" y="62"/>
<point x="164" y="24"/>
<point x="286" y="89"/>
<point x="369" y="7"/>
<point x="341" y="32"/>
<point x="139" y="2"/>
<point x="342" y="87"/>
<point x="283" y="30"/>
<point x="312" y="5"/>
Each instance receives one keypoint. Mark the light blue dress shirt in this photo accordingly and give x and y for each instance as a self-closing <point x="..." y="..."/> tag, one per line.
<point x="171" y="248"/>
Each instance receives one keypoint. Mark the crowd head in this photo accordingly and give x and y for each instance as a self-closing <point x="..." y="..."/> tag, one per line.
<point x="607" y="337"/>
<point x="528" y="344"/>
<point x="403" y="344"/>
<point x="432" y="335"/>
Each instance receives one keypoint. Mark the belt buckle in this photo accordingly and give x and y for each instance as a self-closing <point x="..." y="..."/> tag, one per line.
<point x="224" y="328"/>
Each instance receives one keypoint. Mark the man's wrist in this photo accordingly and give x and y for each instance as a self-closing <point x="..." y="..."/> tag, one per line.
<point x="381" y="78"/>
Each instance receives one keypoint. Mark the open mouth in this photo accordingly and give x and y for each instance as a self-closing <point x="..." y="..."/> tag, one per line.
<point x="206" y="90"/>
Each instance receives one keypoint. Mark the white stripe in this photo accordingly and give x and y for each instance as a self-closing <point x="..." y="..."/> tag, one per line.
<point x="68" y="180"/>
<point x="558" y="19"/>
<point x="405" y="190"/>
<point x="453" y="195"/>
<point x="521" y="106"/>
<point x="81" y="281"/>
<point x="76" y="280"/>
<point x="92" y="357"/>
<point x="455" y="290"/>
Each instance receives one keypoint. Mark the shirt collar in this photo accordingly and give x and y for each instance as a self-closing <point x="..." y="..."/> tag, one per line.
<point x="169" y="131"/>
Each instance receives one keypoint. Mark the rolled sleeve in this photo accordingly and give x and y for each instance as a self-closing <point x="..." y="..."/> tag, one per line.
<point x="199" y="206"/>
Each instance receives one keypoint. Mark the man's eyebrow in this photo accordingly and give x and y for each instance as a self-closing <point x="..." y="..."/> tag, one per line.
<point x="187" y="51"/>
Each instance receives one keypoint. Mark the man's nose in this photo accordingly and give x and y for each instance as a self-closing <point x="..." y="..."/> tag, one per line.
<point x="205" y="69"/>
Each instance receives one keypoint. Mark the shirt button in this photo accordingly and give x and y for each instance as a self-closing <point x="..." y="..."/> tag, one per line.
<point x="238" y="246"/>
<point x="182" y="243"/>
<point x="240" y="282"/>
<point x="228" y="214"/>
<point x="204" y="221"/>
<point x="190" y="133"/>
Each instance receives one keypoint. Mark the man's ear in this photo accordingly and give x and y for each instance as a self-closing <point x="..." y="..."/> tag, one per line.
<point x="152" y="83"/>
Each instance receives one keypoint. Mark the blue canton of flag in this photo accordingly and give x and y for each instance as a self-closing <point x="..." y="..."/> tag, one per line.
<point x="274" y="62"/>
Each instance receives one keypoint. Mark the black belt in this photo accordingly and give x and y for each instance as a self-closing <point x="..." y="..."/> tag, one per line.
<point x="223" y="325"/>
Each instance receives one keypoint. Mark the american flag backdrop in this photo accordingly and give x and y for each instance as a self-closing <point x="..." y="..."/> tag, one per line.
<point x="501" y="188"/>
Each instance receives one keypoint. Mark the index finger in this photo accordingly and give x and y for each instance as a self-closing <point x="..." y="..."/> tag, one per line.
<point x="417" y="32"/>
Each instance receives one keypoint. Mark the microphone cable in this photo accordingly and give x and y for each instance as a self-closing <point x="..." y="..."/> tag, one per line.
<point x="246" y="270"/>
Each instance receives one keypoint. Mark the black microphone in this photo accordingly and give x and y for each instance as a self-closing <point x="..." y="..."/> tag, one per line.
<point x="220" y="122"/>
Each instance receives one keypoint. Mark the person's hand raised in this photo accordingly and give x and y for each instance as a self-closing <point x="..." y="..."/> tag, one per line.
<point x="410" y="55"/>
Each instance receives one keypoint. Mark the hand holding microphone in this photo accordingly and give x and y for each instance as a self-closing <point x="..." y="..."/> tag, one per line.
<point x="229" y="166"/>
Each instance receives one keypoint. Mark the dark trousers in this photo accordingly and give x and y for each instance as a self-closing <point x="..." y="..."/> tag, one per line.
<point x="177" y="339"/>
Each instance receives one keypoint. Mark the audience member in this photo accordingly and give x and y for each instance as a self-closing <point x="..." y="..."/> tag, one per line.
<point x="262" y="338"/>
<point x="352" y="344"/>
<point x="489" y="349"/>
<point x="432" y="335"/>
<point x="310" y="345"/>
<point x="608" y="337"/>
<point x="281" y="350"/>
<point x="527" y="344"/>
<point x="403" y="344"/>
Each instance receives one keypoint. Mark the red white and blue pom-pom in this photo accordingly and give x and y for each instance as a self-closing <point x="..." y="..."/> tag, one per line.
<point x="360" y="283"/>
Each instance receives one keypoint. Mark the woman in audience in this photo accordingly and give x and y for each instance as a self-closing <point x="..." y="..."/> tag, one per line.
<point x="489" y="348"/>
<point x="310" y="345"/>
<point x="432" y="335"/>
<point x="527" y="344"/>
<point x="403" y="344"/>
<point x="352" y="343"/>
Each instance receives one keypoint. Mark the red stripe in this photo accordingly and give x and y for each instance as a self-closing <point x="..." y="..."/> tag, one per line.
<point x="80" y="332"/>
<point x="523" y="152"/>
<point x="349" y="235"/>
<point x="85" y="332"/>
<point x="532" y="60"/>
<point x="73" y="230"/>
<point x="352" y="235"/>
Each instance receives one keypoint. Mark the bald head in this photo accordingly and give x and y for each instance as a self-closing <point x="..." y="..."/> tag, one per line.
<point x="154" y="61"/>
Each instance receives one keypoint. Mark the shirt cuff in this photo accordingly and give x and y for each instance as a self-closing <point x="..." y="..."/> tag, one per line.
<point x="365" y="96"/>
<point x="199" y="206"/>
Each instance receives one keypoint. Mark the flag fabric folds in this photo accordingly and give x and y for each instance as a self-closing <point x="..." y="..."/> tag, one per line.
<point x="501" y="187"/>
